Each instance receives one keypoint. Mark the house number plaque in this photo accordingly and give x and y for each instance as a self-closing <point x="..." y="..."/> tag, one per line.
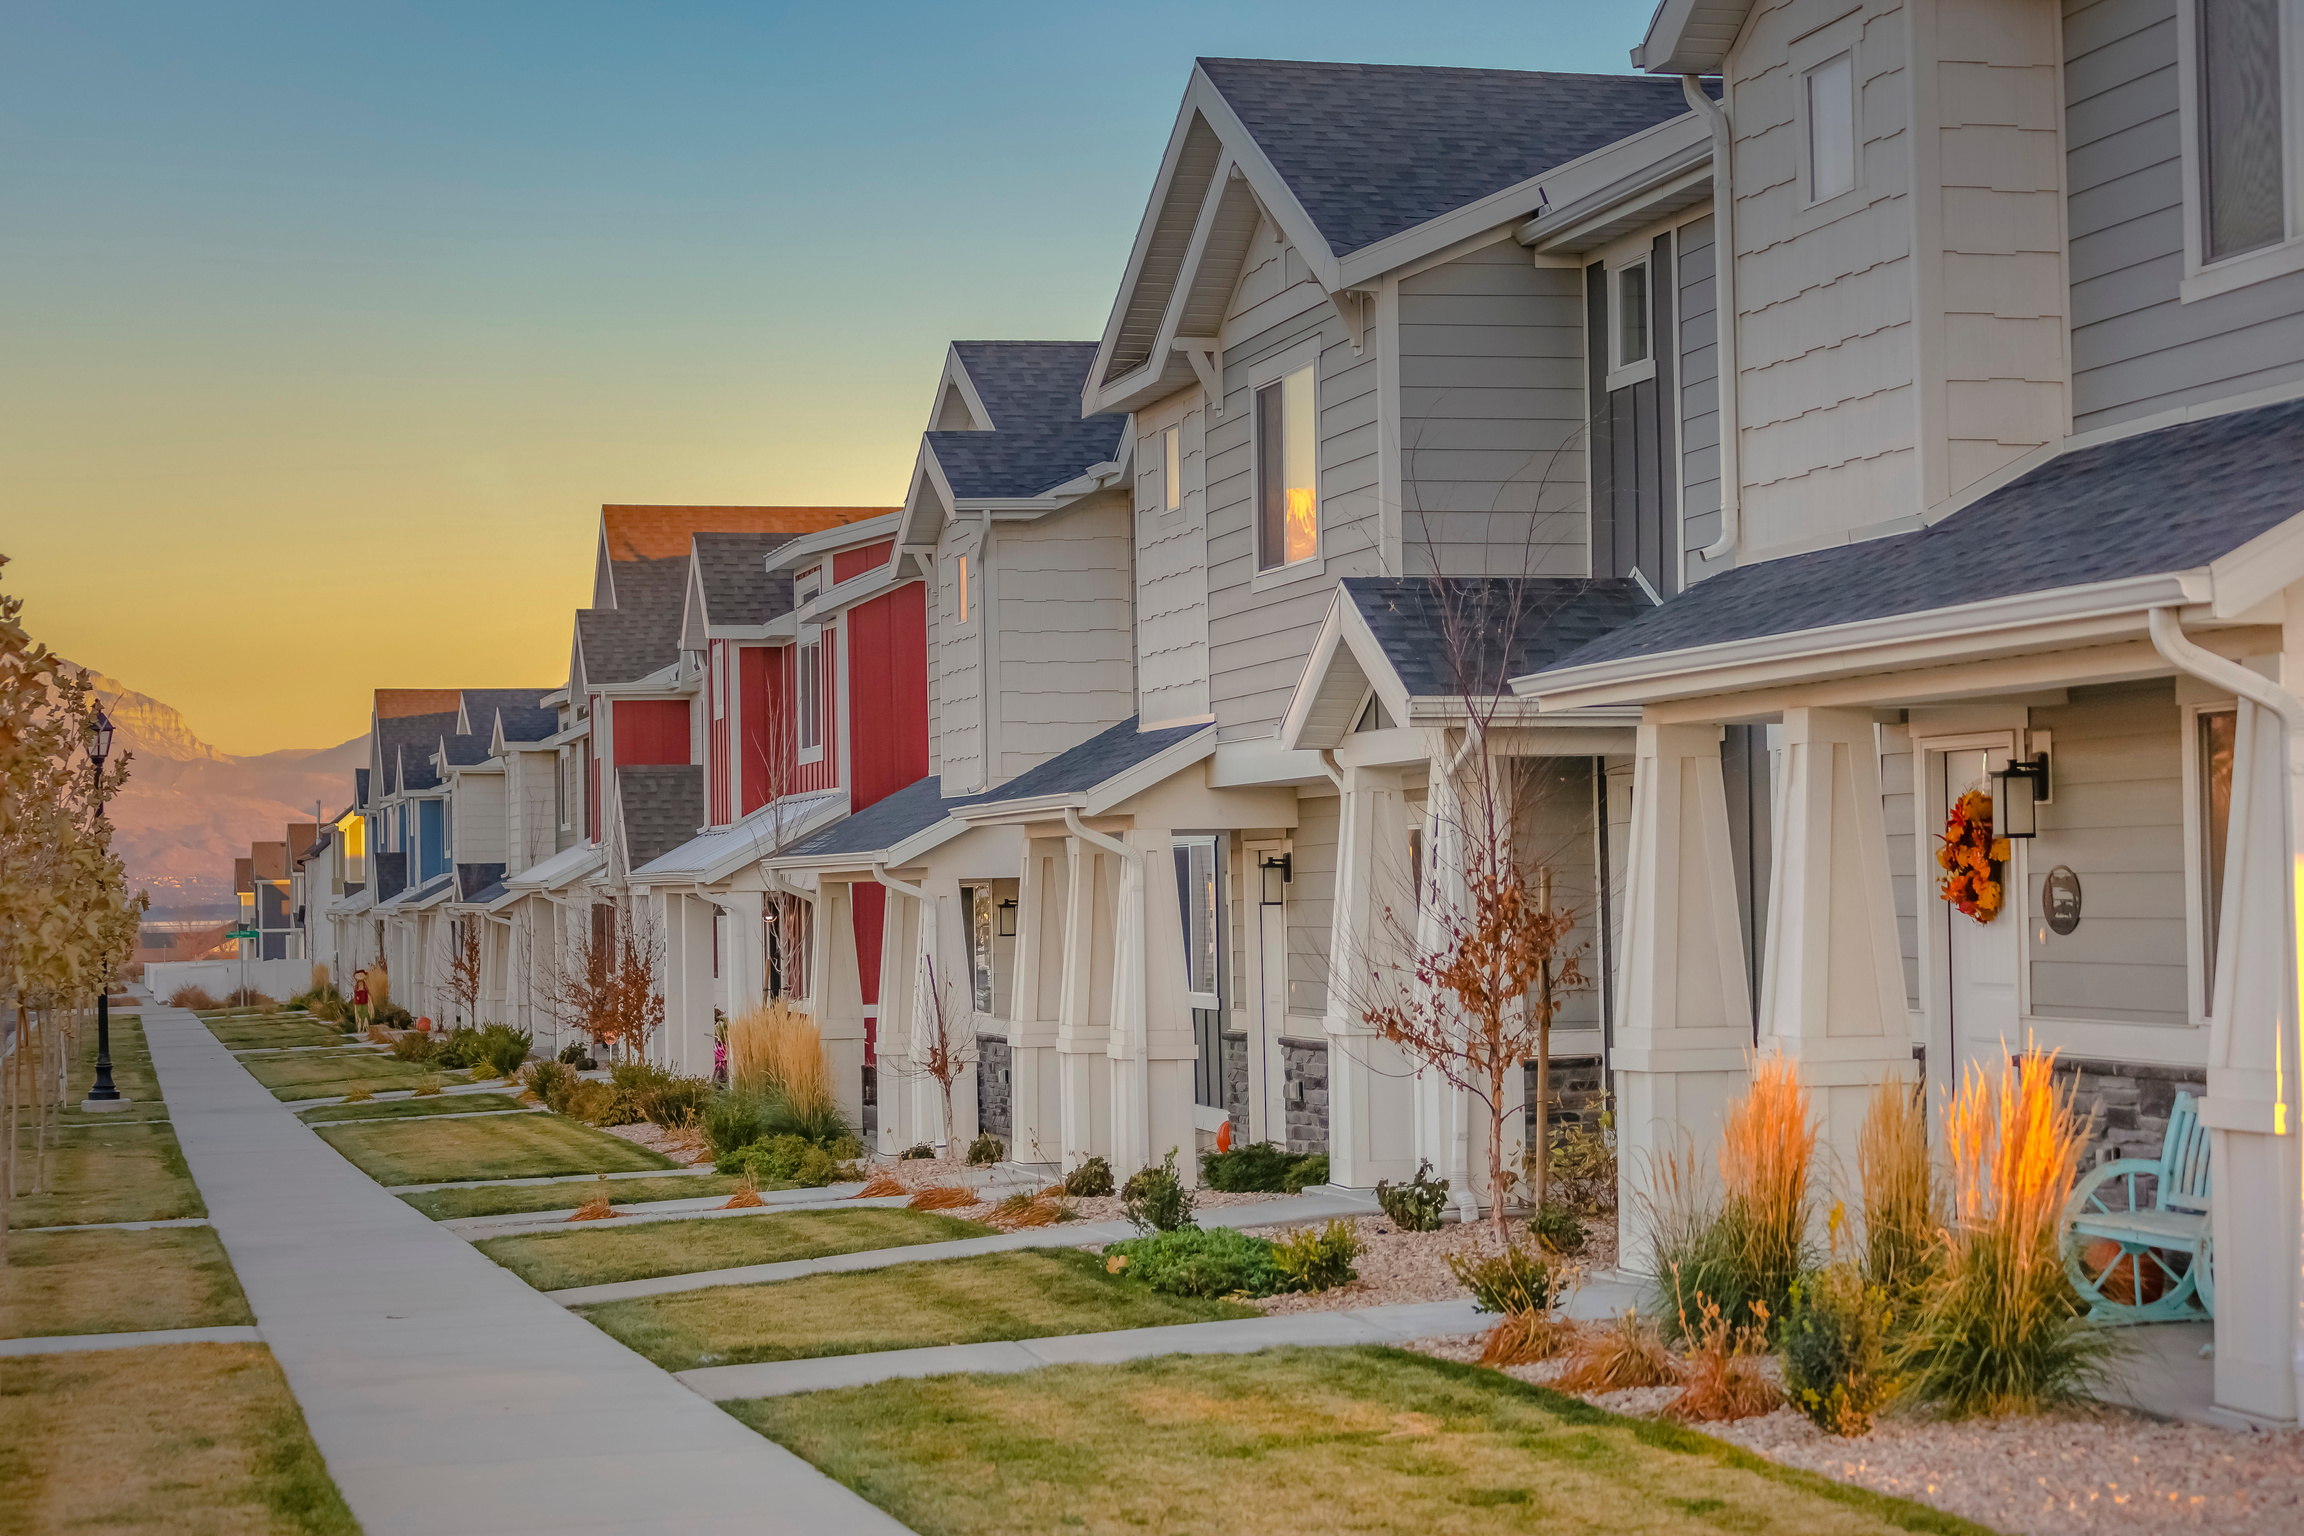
<point x="2060" y="896"/>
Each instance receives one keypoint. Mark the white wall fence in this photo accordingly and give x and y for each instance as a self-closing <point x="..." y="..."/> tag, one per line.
<point x="276" y="979"/>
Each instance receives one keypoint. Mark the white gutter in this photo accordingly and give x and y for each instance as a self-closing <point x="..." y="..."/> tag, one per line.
<point x="1723" y="308"/>
<point x="1073" y="825"/>
<point x="880" y="873"/>
<point x="784" y="886"/>
<point x="2168" y="639"/>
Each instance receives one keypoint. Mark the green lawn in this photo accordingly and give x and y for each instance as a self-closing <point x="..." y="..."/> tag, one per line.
<point x="1368" y="1440"/>
<point x="117" y="1282"/>
<point x="132" y="1074"/>
<point x="410" y="1109"/>
<point x="496" y="1147"/>
<point x="173" y="1438"/>
<point x="272" y="1034"/>
<point x="518" y="1199"/>
<point x="322" y="1074"/>
<point x="1029" y="1293"/>
<point x="600" y="1254"/>
<point x="112" y="1169"/>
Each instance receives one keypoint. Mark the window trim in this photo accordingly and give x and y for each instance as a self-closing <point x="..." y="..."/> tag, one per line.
<point x="963" y="614"/>
<point x="2204" y="279"/>
<point x="1807" y="129"/>
<point x="1269" y="372"/>
<point x="718" y="654"/>
<point x="1622" y="374"/>
<point x="808" y="694"/>
<point x="1172" y="467"/>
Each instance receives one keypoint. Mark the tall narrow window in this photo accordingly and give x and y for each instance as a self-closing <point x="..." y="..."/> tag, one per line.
<point x="961" y="584"/>
<point x="1831" y="88"/>
<point x="2216" y="737"/>
<point x="1631" y="314"/>
<point x="2243" y="207"/>
<point x="980" y="945"/>
<point x="1288" y="509"/>
<point x="1172" y="469"/>
<point x="810" y="687"/>
<point x="719" y="683"/>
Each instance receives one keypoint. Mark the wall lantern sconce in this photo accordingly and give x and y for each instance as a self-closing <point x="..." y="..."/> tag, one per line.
<point x="1006" y="923"/>
<point x="2022" y="786"/>
<point x="1276" y="873"/>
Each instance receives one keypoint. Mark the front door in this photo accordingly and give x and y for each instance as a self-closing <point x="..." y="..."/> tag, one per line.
<point x="1983" y="956"/>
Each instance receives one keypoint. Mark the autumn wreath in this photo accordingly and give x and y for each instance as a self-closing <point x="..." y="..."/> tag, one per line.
<point x="1972" y="858"/>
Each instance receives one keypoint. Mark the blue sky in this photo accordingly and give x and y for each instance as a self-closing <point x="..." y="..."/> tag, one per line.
<point x="382" y="301"/>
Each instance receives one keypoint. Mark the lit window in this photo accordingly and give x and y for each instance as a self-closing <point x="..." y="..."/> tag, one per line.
<point x="1288" y="513"/>
<point x="1172" y="468"/>
<point x="811" y="689"/>
<point x="962" y="588"/>
<point x="1631" y="313"/>
<point x="2217" y="729"/>
<point x="2239" y="127"/>
<point x="1831" y="88"/>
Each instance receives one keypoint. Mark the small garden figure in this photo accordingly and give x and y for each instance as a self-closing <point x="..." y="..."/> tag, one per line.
<point x="360" y="998"/>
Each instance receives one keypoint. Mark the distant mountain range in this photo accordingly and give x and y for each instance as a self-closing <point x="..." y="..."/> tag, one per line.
<point x="189" y="810"/>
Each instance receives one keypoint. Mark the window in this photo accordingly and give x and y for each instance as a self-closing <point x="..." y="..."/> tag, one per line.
<point x="1287" y="500"/>
<point x="1196" y="876"/>
<point x="810" y="687"/>
<point x="1631" y="285"/>
<point x="719" y="683"/>
<point x="2239" y="129"/>
<point x="980" y="945"/>
<point x="1831" y="111"/>
<point x="1172" y="469"/>
<point x="960" y="592"/>
<point x="2217" y="730"/>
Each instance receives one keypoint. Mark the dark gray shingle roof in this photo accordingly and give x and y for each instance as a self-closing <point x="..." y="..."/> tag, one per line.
<point x="2170" y="500"/>
<point x="472" y="879"/>
<point x="1509" y="625"/>
<point x="642" y="632"/>
<point x="1105" y="755"/>
<point x="1038" y="439"/>
<point x="738" y="587"/>
<point x="464" y="751"/>
<point x="663" y="805"/>
<point x="408" y="742"/>
<point x="1373" y="149"/>
<point x="884" y="823"/>
<point x="391" y="874"/>
<point x="528" y="724"/>
<point x="360" y="788"/>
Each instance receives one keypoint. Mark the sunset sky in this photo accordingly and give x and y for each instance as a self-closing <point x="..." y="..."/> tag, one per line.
<point x="325" y="330"/>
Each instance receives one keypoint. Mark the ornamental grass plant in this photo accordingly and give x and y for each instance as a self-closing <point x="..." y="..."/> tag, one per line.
<point x="1628" y="1353"/>
<point x="775" y="1049"/>
<point x="1996" y="1327"/>
<point x="1721" y="1378"/>
<point x="1902" y="1199"/>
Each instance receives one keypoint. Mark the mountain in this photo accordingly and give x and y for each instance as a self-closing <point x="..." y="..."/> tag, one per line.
<point x="189" y="810"/>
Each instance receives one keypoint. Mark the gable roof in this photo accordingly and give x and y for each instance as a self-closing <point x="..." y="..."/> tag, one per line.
<point x="642" y="632"/>
<point x="733" y="577"/>
<point x="392" y="703"/>
<point x="662" y="533"/>
<point x="661" y="806"/>
<point x="405" y="744"/>
<point x="478" y="706"/>
<point x="1039" y="439"/>
<point x="879" y="826"/>
<point x="2153" y="503"/>
<point x="1109" y="755"/>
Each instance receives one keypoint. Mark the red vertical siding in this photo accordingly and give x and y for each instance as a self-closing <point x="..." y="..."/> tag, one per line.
<point x="758" y="707"/>
<point x="888" y="678"/>
<point x="592" y="775"/>
<point x="870" y="907"/>
<point x="720" y="681"/>
<point x="855" y="562"/>
<point x="651" y="731"/>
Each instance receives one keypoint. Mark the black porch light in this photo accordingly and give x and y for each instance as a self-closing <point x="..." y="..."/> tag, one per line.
<point x="1276" y="872"/>
<point x="2022" y="785"/>
<point x="1006" y="919"/>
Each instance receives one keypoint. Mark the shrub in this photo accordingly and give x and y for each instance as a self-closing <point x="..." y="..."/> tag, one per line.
<point x="1627" y="1353"/>
<point x="943" y="1197"/>
<point x="1157" y="1200"/>
<point x="575" y="1055"/>
<point x="1902" y="1204"/>
<point x="1186" y="1261"/>
<point x="504" y="1048"/>
<point x="1557" y="1229"/>
<point x="189" y="996"/>
<point x="460" y="1047"/>
<point x="918" y="1152"/>
<point x="1516" y="1280"/>
<point x="1317" y="1259"/>
<point x="880" y="1185"/>
<point x="331" y="1008"/>
<point x="1996" y="1328"/>
<point x="359" y="1093"/>
<point x="1262" y="1167"/>
<point x="1583" y="1172"/>
<point x="734" y="1120"/>
<point x="1417" y="1205"/>
<point x="1835" y="1345"/>
<point x="1722" y="1377"/>
<point x="775" y="1049"/>
<point x="596" y="1104"/>
<point x="1524" y="1338"/>
<point x="249" y="997"/>
<point x="680" y="1102"/>
<point x="985" y="1150"/>
<point x="1021" y="1210"/>
<point x="430" y="1084"/>
<point x="790" y="1160"/>
<point x="1093" y="1177"/>
<point x="415" y="1047"/>
<point x="550" y="1082"/>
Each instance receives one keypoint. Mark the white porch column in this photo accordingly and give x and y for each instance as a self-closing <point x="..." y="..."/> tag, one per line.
<point x="686" y="928"/>
<point x="1083" y="1017"/>
<point x="1034" y="1008"/>
<point x="904" y="1118"/>
<point x="1371" y="1099"/>
<point x="1150" y="1046"/>
<point x="839" y="996"/>
<point x="1832" y="977"/>
<point x="1684" y="1015"/>
<point x="743" y="959"/>
<point x="1444" y="1112"/>
<point x="2252" y="1100"/>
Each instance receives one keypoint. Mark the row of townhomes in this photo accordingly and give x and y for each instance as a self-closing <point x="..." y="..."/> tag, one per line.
<point x="1855" y="407"/>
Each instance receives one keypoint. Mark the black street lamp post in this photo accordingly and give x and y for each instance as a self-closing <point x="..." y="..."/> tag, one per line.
<point x="103" y="1095"/>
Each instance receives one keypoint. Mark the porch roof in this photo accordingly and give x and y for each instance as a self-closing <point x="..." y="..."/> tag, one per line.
<point x="1101" y="771"/>
<point x="552" y="873"/>
<point x="881" y="827"/>
<point x="719" y="852"/>
<point x="661" y="806"/>
<point x="2150" y="504"/>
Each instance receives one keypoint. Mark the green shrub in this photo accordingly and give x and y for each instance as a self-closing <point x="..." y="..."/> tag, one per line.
<point x="790" y="1160"/>
<point x="638" y="1076"/>
<point x="1312" y="1259"/>
<point x="596" y="1104"/>
<point x="1557" y="1229"/>
<point x="1262" y="1168"/>
<point x="680" y="1102"/>
<point x="1190" y="1262"/>
<point x="1835" y="1345"/>
<point x="1157" y="1200"/>
<point x="461" y="1048"/>
<point x="551" y="1081"/>
<point x="735" y="1120"/>
<point x="416" y="1046"/>
<point x="985" y="1150"/>
<point x="1583" y="1173"/>
<point x="504" y="1048"/>
<point x="1093" y="1177"/>
<point x="574" y="1054"/>
<point x="1516" y="1280"/>
<point x="1417" y="1205"/>
<point x="918" y="1152"/>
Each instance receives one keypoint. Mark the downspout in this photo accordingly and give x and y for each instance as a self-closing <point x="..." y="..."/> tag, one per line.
<point x="2221" y="672"/>
<point x="880" y="873"/>
<point x="1723" y="309"/>
<point x="1330" y="767"/>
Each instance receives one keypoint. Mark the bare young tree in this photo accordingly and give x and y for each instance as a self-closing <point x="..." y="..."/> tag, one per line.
<point x="949" y="1047"/>
<point x="464" y="968"/>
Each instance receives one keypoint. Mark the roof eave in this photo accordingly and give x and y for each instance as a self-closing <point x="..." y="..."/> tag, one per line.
<point x="1691" y="37"/>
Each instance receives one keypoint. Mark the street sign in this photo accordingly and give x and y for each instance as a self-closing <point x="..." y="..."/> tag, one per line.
<point x="241" y="933"/>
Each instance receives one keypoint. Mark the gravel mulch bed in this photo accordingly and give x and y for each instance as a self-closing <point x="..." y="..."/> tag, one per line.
<point x="926" y="1173"/>
<point x="1397" y="1266"/>
<point x="683" y="1147"/>
<point x="2070" y="1474"/>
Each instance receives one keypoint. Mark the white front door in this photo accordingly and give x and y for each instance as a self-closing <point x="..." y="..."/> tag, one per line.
<point x="1983" y="956"/>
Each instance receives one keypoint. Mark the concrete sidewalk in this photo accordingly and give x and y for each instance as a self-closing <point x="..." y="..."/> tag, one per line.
<point x="445" y="1394"/>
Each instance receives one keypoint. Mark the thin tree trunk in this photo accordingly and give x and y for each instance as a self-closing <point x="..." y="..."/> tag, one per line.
<point x="1542" y="1178"/>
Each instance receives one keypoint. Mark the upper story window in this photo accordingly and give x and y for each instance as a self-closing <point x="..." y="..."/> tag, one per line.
<point x="806" y="586"/>
<point x="2243" y="201"/>
<point x="1630" y="287"/>
<point x="809" y="686"/>
<point x="719" y="683"/>
<point x="960" y="589"/>
<point x="1172" y="469"/>
<point x="1287" y="495"/>
<point x="1829" y="104"/>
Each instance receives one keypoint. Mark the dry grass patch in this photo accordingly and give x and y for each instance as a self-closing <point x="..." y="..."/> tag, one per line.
<point x="1364" y="1440"/>
<point x="118" y="1282"/>
<point x="125" y="1170"/>
<point x="132" y="1074"/>
<point x="553" y="1261"/>
<point x="256" y="1034"/>
<point x="437" y="1151"/>
<point x="324" y="1074"/>
<point x="1031" y="1293"/>
<point x="179" y="1438"/>
<point x="523" y="1199"/>
<point x="409" y="1109"/>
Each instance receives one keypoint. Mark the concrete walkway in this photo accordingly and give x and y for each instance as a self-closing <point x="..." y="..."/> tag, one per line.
<point x="77" y="1343"/>
<point x="445" y="1394"/>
